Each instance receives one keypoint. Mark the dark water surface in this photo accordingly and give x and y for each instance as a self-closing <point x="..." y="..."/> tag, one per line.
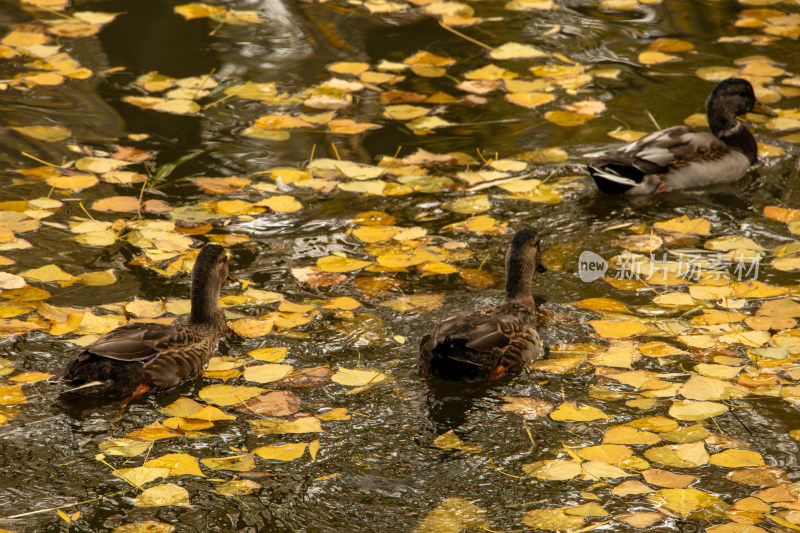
<point x="390" y="474"/>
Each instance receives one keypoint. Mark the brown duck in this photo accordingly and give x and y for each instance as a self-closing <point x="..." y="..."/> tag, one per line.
<point x="482" y="346"/>
<point x="138" y="357"/>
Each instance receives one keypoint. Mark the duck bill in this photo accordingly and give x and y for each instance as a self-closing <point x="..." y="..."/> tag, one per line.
<point x="761" y="109"/>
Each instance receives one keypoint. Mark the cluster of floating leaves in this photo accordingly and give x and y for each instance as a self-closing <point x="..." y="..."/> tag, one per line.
<point x="718" y="339"/>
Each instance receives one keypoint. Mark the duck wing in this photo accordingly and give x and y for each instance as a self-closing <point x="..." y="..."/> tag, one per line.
<point x="141" y="341"/>
<point x="471" y="346"/>
<point x="657" y="154"/>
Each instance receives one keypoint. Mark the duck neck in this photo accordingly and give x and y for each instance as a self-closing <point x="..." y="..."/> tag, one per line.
<point x="205" y="302"/>
<point x="518" y="281"/>
<point x="740" y="138"/>
<point x="733" y="133"/>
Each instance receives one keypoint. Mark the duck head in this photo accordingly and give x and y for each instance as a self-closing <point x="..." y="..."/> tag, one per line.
<point x="731" y="98"/>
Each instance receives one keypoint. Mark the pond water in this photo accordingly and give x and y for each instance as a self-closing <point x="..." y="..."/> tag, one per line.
<point x="380" y="469"/>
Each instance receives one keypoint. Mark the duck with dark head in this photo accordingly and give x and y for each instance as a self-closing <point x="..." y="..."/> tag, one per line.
<point x="679" y="157"/>
<point x="482" y="346"/>
<point x="145" y="356"/>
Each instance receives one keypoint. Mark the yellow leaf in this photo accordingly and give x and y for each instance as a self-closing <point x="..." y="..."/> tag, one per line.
<point x="679" y="455"/>
<point x="553" y="469"/>
<point x="616" y="329"/>
<point x="251" y="327"/>
<point x="351" y="127"/>
<point x="97" y="279"/>
<point x="572" y="412"/>
<point x="153" y="432"/>
<point x="413" y="258"/>
<point x="516" y="51"/>
<point x="705" y="388"/>
<point x="629" y="435"/>
<point x="117" y="204"/>
<point x="654" y="58"/>
<point x="453" y="515"/>
<point x="427" y="59"/>
<point x="281" y="204"/>
<point x="665" y="478"/>
<point x="177" y="464"/>
<point x="236" y="463"/>
<point x="334" y="263"/>
<point x="479" y="224"/>
<point x="12" y="395"/>
<point x="234" y="487"/>
<point x="349" y="67"/>
<point x="269" y="426"/>
<point x="31" y="377"/>
<point x="284" y="452"/>
<point x="225" y="395"/>
<point x="163" y="495"/>
<point x="52" y="133"/>
<point x="267" y="373"/>
<point x="683" y="501"/>
<point x="342" y="302"/>
<point x="125" y="447"/>
<point x="696" y="410"/>
<point x="782" y="214"/>
<point x="552" y="520"/>
<point x="733" y="458"/>
<point x="567" y="118"/>
<point x="530" y="99"/>
<point x="270" y="355"/>
<point x="352" y="377"/>
<point x="47" y="273"/>
<point x="141" y="475"/>
<point x="415" y="303"/>
<point x="683" y="224"/>
<point x="608" y="453"/>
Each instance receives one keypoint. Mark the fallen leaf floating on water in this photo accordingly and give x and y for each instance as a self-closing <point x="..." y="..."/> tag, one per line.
<point x="163" y="495"/>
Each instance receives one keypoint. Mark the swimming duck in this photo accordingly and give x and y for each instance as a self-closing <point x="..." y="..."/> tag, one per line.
<point x="679" y="157"/>
<point x="145" y="356"/>
<point x="483" y="346"/>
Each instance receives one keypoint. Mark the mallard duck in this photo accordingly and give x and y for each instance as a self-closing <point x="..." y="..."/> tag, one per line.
<point x="145" y="356"/>
<point x="482" y="346"/>
<point x="679" y="157"/>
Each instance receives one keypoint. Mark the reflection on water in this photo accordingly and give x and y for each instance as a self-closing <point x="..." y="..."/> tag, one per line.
<point x="379" y="471"/>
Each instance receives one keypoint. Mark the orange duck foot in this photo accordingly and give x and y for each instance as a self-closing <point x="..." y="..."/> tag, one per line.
<point x="141" y="389"/>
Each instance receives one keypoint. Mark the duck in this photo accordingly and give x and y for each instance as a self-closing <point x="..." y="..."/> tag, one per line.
<point x="483" y="346"/>
<point x="680" y="157"/>
<point x="141" y="356"/>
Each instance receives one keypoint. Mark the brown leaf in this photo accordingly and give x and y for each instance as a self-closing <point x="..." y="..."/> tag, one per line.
<point x="276" y="403"/>
<point x="307" y="378"/>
